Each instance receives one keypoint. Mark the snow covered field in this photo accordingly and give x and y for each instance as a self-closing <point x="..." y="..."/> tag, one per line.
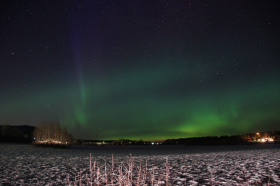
<point x="217" y="165"/>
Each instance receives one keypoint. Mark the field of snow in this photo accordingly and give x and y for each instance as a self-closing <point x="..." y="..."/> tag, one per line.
<point x="219" y="165"/>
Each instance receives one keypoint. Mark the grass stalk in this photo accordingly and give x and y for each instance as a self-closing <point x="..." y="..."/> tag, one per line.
<point x="129" y="174"/>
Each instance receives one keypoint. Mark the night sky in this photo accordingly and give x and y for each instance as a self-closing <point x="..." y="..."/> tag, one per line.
<point x="140" y="69"/>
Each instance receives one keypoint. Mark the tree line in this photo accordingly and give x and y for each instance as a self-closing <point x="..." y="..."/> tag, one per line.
<point x="226" y="140"/>
<point x="16" y="134"/>
<point x="51" y="133"/>
<point x="111" y="142"/>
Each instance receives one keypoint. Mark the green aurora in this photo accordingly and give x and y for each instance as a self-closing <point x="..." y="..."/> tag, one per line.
<point x="151" y="71"/>
<point x="148" y="107"/>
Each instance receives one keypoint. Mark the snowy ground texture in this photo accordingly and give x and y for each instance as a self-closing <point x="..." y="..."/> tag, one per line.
<point x="28" y="165"/>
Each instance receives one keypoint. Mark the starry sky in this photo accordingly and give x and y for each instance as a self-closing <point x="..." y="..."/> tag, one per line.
<point x="141" y="69"/>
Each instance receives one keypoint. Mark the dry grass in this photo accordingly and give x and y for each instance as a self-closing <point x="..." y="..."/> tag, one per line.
<point x="131" y="174"/>
<point x="125" y="174"/>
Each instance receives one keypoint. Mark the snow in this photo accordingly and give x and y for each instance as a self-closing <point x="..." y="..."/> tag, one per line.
<point x="29" y="165"/>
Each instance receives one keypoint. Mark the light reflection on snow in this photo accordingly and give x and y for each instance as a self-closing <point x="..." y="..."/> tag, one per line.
<point x="27" y="165"/>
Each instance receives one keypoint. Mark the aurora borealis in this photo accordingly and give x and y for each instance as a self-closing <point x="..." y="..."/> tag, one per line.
<point x="147" y="70"/>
